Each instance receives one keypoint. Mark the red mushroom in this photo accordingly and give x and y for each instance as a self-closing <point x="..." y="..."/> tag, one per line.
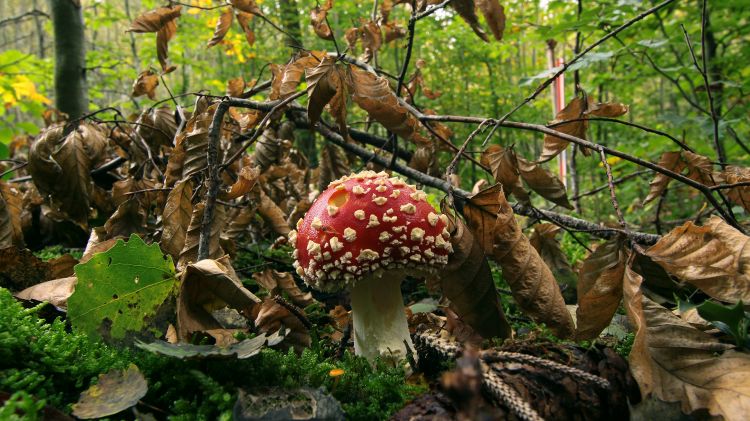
<point x="366" y="232"/>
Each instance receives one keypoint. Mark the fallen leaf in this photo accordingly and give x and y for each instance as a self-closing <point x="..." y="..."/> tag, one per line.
<point x="62" y="267"/>
<point x="535" y="290"/>
<point x="714" y="258"/>
<point x="11" y="208"/>
<point x="206" y="286"/>
<point x="600" y="288"/>
<point x="189" y="253"/>
<point x="273" y="215"/>
<point x="246" y="180"/>
<point x="114" y="392"/>
<point x="55" y="292"/>
<point x="276" y="282"/>
<point x="20" y="269"/>
<point x="271" y="316"/>
<point x="120" y="291"/>
<point x="178" y="211"/>
<point x="129" y="218"/>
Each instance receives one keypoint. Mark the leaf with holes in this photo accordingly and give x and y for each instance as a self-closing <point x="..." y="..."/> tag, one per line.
<point x="119" y="291"/>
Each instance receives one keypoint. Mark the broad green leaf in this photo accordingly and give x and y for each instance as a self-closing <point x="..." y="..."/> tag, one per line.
<point x="120" y="290"/>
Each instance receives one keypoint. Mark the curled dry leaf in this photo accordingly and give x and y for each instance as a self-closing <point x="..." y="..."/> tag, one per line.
<point x="372" y="38"/>
<point x="373" y="94"/>
<point x="504" y="166"/>
<point x="318" y="20"/>
<point x="276" y="282"/>
<point x="247" y="6"/>
<point x="114" y="392"/>
<point x="600" y="288"/>
<point x="739" y="195"/>
<point x="270" y="316"/>
<point x="494" y="14"/>
<point x="292" y="73"/>
<point x="333" y="165"/>
<point x="222" y="27"/>
<point x="206" y="286"/>
<point x="163" y="36"/>
<point x="60" y="166"/>
<point x="11" y="207"/>
<point x="545" y="183"/>
<point x="129" y="218"/>
<point x="273" y="215"/>
<point x="491" y="218"/>
<point x="676" y="362"/>
<point x="714" y="258"/>
<point x="157" y="127"/>
<point x="465" y="9"/>
<point x="145" y="84"/>
<point x="580" y="108"/>
<point x="246" y="180"/>
<point x="154" y="20"/>
<point x="235" y="86"/>
<point x="178" y="211"/>
<point x="326" y="86"/>
<point x="244" y="18"/>
<point x="393" y="32"/>
<point x="699" y="169"/>
<point x="467" y="282"/>
<point x="544" y="241"/>
<point x="194" y="141"/>
<point x="189" y="251"/>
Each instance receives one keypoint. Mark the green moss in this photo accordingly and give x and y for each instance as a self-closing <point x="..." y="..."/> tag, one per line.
<point x="53" y="252"/>
<point x="55" y="366"/>
<point x="624" y="346"/>
<point x="22" y="406"/>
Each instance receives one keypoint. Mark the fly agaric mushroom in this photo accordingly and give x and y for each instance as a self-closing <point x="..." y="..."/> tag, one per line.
<point x="366" y="232"/>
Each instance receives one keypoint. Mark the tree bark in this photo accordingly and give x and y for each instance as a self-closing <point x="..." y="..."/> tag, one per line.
<point x="71" y="94"/>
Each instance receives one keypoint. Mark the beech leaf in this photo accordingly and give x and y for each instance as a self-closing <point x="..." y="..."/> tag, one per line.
<point x="535" y="290"/>
<point x="714" y="258"/>
<point x="504" y="166"/>
<point x="114" y="392"/>
<point x="222" y="27"/>
<point x="178" y="211"/>
<point x="494" y="14"/>
<point x="154" y="20"/>
<point x="146" y="84"/>
<point x="247" y="6"/>
<point x="276" y="282"/>
<point x="318" y="20"/>
<point x="544" y="182"/>
<point x="465" y="9"/>
<point x="467" y="282"/>
<point x="244" y="18"/>
<point x="325" y="83"/>
<point x="739" y="195"/>
<point x="11" y="207"/>
<point x="600" y="288"/>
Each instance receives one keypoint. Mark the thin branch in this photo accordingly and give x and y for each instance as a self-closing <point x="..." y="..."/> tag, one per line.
<point x="575" y="59"/>
<point x="611" y="185"/>
<point x="22" y="16"/>
<point x="614" y="182"/>
<point x="402" y="75"/>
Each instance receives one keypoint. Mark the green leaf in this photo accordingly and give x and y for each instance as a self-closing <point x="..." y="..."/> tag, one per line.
<point x="120" y="290"/>
<point x="116" y="391"/>
<point x="732" y="321"/>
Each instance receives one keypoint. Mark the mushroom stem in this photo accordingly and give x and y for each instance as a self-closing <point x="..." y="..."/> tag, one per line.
<point x="380" y="327"/>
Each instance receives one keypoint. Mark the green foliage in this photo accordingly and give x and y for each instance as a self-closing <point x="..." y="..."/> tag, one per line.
<point x="120" y="290"/>
<point x="53" y="252"/>
<point x="22" y="406"/>
<point x="45" y="361"/>
<point x="731" y="320"/>
<point x="624" y="346"/>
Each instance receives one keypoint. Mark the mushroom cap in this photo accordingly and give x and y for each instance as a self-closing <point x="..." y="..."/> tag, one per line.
<point x="368" y="223"/>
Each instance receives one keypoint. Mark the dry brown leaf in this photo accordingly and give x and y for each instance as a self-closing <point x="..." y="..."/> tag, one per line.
<point x="504" y="166"/>
<point x="206" y="286"/>
<point x="246" y="180"/>
<point x="352" y="36"/>
<point x="671" y="161"/>
<point x="189" y="253"/>
<point x="194" y="141"/>
<point x="222" y="27"/>
<point x="373" y="94"/>
<point x="600" y="288"/>
<point x="535" y="290"/>
<point x="467" y="282"/>
<point x="163" y="36"/>
<point x="608" y="109"/>
<point x="372" y="38"/>
<point x="326" y="86"/>
<point x="178" y="211"/>
<point x="276" y="282"/>
<point x="20" y="269"/>
<point x="145" y="84"/>
<point x="676" y="362"/>
<point x="544" y="182"/>
<point x="247" y="6"/>
<point x="267" y="150"/>
<point x="56" y="291"/>
<point x="465" y="9"/>
<point x="129" y="218"/>
<point x="154" y="20"/>
<point x="544" y="241"/>
<point x="393" y="31"/>
<point x="62" y="267"/>
<point x="318" y="20"/>
<point x="11" y="207"/>
<point x="239" y="223"/>
<point x="714" y="258"/>
<point x="494" y="14"/>
<point x="739" y="195"/>
<point x="244" y="20"/>
<point x="341" y="318"/>
<point x="333" y="165"/>
<point x="292" y="72"/>
<point x="235" y="86"/>
<point x="425" y="159"/>
<point x="157" y="127"/>
<point x="60" y="166"/>
<point x="273" y="215"/>
<point x="553" y="145"/>
<point x="269" y="316"/>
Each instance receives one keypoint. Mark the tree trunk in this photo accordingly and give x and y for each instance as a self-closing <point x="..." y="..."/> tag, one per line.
<point x="71" y="95"/>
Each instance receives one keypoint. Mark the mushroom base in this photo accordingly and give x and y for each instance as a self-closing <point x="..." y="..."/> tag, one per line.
<point x="380" y="326"/>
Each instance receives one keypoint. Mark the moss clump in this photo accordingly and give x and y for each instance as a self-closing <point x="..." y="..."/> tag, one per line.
<point x="53" y="252"/>
<point x="54" y="366"/>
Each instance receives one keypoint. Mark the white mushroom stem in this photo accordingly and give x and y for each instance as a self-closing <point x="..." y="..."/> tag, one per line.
<point x="380" y="327"/>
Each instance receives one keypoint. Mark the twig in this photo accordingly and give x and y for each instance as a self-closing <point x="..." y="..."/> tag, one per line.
<point x="680" y="143"/>
<point x="703" y="72"/>
<point x="575" y="59"/>
<point x="402" y="76"/>
<point x="296" y="311"/>
<point x="22" y="16"/>
<point x="612" y="196"/>
<point x="615" y="182"/>
<point x="452" y="166"/>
